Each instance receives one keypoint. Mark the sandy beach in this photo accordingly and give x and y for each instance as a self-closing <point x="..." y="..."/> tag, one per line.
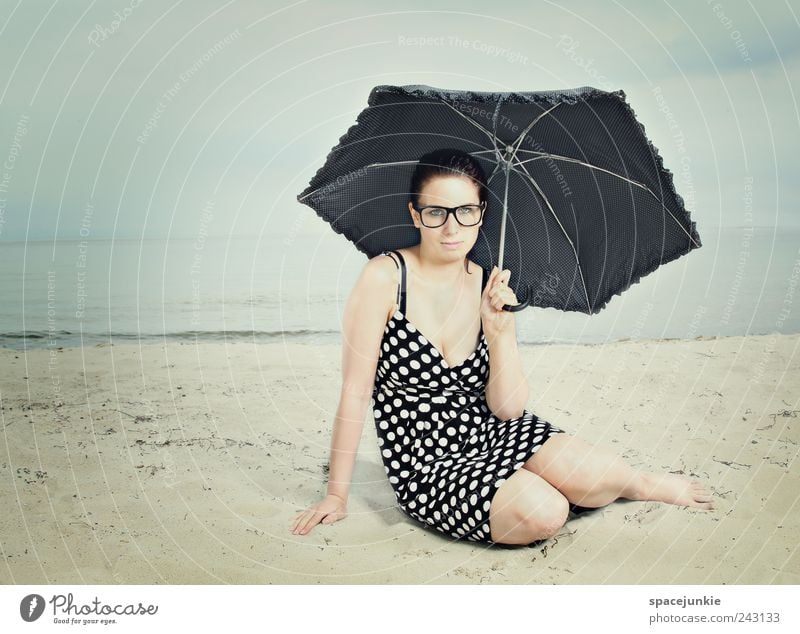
<point x="184" y="463"/>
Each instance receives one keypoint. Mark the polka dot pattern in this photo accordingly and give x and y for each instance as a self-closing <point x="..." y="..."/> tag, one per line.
<point x="444" y="452"/>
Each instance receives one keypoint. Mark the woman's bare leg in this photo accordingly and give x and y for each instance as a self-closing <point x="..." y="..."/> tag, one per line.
<point x="526" y="509"/>
<point x="592" y="476"/>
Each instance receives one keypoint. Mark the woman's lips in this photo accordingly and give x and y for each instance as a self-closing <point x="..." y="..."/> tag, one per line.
<point x="452" y="245"/>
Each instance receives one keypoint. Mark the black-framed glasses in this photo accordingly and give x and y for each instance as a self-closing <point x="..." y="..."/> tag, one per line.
<point x="465" y="215"/>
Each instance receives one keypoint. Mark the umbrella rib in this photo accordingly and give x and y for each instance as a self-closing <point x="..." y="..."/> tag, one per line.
<point x="365" y="167"/>
<point x="408" y="162"/>
<point x="497" y="107"/>
<point x="518" y="142"/>
<point x="497" y="164"/>
<point x="494" y="171"/>
<point x="602" y="169"/>
<point x="566" y="235"/>
<point x="488" y="133"/>
<point x="569" y="159"/>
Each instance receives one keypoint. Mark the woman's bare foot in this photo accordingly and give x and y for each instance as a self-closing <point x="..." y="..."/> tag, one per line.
<point x="674" y="489"/>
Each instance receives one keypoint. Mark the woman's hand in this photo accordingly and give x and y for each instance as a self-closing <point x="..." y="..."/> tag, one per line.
<point x="497" y="293"/>
<point x="330" y="510"/>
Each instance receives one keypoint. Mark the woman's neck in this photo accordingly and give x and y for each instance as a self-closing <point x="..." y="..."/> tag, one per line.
<point x="441" y="273"/>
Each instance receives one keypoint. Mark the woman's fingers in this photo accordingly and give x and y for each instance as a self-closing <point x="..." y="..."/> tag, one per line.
<point x="490" y="282"/>
<point x="500" y="293"/>
<point x="497" y="290"/>
<point x="311" y="518"/>
<point x="494" y="278"/>
<point x="302" y="523"/>
<point x="299" y="515"/>
<point x="324" y="512"/>
<point x="308" y="522"/>
<point x="298" y="521"/>
<point x="501" y="279"/>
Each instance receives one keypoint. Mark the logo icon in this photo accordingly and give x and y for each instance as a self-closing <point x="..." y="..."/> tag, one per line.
<point x="31" y="607"/>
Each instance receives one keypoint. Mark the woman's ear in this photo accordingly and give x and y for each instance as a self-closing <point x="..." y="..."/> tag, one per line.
<point x="413" y="217"/>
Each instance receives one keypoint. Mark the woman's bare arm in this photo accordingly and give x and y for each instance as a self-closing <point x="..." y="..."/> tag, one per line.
<point x="362" y="330"/>
<point x="507" y="389"/>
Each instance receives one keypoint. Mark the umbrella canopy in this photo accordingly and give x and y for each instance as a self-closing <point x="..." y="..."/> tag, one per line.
<point x="580" y="204"/>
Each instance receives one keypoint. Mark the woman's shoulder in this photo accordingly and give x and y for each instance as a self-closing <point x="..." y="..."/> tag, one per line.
<point x="377" y="282"/>
<point x="382" y="263"/>
<point x="381" y="269"/>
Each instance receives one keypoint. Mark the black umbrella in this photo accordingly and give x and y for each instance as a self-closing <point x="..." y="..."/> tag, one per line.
<point x="580" y="204"/>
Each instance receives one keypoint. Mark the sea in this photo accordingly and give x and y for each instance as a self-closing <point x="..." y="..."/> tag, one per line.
<point x="293" y="288"/>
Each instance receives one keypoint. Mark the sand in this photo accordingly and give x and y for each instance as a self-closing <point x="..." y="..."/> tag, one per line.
<point x="184" y="463"/>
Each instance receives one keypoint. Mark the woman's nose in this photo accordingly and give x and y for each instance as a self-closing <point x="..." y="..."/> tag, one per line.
<point x="451" y="224"/>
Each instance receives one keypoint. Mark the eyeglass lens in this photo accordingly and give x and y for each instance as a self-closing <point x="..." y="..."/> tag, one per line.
<point x="436" y="216"/>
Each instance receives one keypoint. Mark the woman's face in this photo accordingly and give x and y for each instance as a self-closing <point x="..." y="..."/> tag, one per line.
<point x="448" y="191"/>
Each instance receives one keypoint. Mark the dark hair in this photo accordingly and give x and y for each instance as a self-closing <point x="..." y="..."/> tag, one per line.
<point x="447" y="162"/>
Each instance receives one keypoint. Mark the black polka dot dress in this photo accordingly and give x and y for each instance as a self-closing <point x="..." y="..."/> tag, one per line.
<point x="444" y="452"/>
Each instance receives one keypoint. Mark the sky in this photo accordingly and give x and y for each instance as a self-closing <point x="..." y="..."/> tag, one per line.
<point x="141" y="119"/>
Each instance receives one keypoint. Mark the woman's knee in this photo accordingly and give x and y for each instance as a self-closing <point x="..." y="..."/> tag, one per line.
<point x="526" y="509"/>
<point x="546" y="520"/>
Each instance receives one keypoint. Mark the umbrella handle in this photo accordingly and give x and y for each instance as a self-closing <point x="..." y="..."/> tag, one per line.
<point x="513" y="308"/>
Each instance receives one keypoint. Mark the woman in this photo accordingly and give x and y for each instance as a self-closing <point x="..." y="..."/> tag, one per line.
<point x="461" y="452"/>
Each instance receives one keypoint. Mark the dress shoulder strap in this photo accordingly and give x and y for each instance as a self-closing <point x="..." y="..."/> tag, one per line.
<point x="401" y="288"/>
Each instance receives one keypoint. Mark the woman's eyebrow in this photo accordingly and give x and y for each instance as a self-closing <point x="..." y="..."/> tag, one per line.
<point x="458" y="205"/>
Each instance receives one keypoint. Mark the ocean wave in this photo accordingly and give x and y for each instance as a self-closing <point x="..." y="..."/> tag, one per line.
<point x="65" y="338"/>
